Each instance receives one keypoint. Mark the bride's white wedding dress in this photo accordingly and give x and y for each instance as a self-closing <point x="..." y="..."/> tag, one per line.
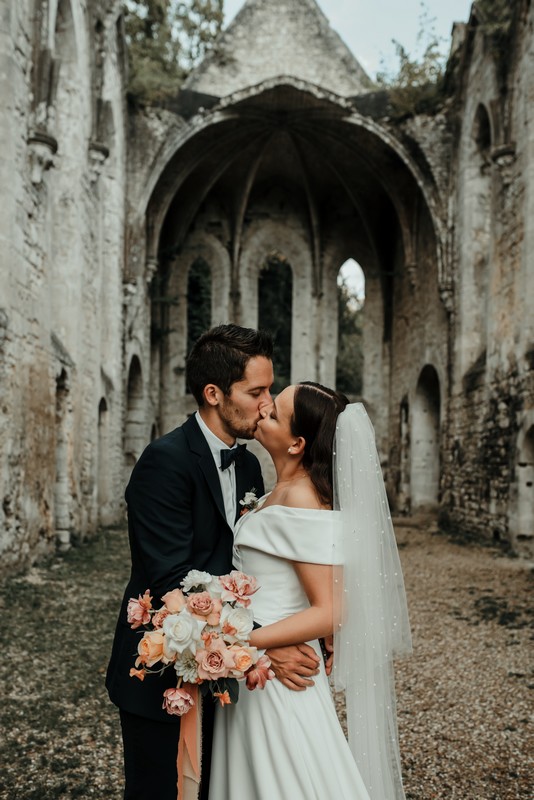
<point x="278" y="744"/>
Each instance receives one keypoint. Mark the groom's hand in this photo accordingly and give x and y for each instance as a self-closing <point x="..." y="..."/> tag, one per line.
<point x="295" y="665"/>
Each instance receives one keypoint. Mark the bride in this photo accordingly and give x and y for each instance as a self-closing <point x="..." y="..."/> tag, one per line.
<point x="322" y="548"/>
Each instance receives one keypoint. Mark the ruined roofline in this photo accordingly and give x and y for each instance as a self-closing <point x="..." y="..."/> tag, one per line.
<point x="294" y="37"/>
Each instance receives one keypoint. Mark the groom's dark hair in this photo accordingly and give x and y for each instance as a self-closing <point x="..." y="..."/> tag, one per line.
<point x="221" y="356"/>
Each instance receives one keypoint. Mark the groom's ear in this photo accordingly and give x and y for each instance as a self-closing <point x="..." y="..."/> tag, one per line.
<point x="212" y="395"/>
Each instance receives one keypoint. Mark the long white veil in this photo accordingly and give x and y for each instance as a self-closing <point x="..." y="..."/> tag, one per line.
<point x="370" y="606"/>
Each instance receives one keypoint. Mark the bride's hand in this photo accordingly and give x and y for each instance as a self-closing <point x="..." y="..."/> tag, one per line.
<point x="294" y="665"/>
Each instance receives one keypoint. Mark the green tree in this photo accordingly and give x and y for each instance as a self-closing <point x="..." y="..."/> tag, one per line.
<point x="165" y="40"/>
<point x="349" y="366"/>
<point x="416" y="85"/>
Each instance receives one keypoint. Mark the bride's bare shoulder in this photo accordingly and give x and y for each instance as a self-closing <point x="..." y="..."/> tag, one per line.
<point x="302" y="495"/>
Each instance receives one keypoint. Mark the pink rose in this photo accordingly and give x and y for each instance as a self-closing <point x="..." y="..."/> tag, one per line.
<point x="159" y="616"/>
<point x="138" y="610"/>
<point x="177" y="701"/>
<point x="238" y="587"/>
<point x="174" y="601"/>
<point x="215" y="661"/>
<point x="203" y="606"/>
<point x="259" y="674"/>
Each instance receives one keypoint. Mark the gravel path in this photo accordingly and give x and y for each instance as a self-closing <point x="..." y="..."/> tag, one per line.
<point x="465" y="698"/>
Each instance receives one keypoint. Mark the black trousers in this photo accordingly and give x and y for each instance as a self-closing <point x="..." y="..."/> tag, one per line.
<point x="150" y="754"/>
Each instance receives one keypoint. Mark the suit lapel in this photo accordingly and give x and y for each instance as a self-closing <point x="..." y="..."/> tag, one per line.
<point x="199" y="446"/>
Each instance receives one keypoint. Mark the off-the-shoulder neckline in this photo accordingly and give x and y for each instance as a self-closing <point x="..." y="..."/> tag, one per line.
<point x="288" y="508"/>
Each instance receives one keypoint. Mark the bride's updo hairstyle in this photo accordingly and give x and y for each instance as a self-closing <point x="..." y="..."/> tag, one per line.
<point x="315" y="413"/>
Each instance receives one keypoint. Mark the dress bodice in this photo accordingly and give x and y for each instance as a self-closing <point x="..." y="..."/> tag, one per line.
<point x="266" y="543"/>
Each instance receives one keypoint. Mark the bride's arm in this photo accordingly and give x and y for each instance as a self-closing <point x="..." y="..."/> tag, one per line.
<point x="314" y="622"/>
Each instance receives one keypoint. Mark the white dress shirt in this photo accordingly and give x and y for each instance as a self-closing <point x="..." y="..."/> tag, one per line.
<point x="227" y="476"/>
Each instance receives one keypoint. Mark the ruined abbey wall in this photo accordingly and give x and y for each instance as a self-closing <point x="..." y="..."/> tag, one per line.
<point x="107" y="206"/>
<point x="61" y="376"/>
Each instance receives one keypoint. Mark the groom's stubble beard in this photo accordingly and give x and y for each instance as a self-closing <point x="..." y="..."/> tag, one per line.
<point x="235" y="421"/>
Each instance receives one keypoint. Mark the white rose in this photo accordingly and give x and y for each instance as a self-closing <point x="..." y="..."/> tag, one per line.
<point x="249" y="499"/>
<point x="182" y="632"/>
<point x="236" y="623"/>
<point x="196" y="578"/>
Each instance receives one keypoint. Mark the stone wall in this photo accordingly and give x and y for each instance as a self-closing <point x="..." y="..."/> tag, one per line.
<point x="61" y="372"/>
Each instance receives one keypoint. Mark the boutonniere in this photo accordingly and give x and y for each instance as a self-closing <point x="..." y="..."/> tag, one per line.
<point x="249" y="502"/>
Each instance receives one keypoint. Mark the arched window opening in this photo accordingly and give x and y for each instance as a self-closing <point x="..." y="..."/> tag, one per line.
<point x="482" y="131"/>
<point x="275" y="313"/>
<point x="525" y="480"/>
<point x="198" y="301"/>
<point x="403" y="499"/>
<point x="134" y="440"/>
<point x="425" y="468"/>
<point x="62" y="497"/>
<point x="103" y="476"/>
<point x="351" y="299"/>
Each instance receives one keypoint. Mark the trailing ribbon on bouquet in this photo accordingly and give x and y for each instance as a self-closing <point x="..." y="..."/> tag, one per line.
<point x="236" y="454"/>
<point x="190" y="749"/>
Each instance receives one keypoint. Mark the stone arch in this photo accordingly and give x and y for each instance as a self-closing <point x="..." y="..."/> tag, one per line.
<point x="475" y="242"/>
<point x="72" y="129"/>
<point x="62" y="484"/>
<point x="425" y="440"/>
<point x="155" y="204"/>
<point x="134" y="436"/>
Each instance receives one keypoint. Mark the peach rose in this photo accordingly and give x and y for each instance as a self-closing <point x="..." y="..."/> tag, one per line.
<point x="177" y="701"/>
<point x="203" y="606"/>
<point x="242" y="658"/>
<point x="138" y="610"/>
<point x="259" y="674"/>
<point x="150" y="649"/>
<point x="174" y="601"/>
<point x="237" y="587"/>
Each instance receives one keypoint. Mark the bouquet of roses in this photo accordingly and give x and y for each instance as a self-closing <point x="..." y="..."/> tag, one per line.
<point x="202" y="631"/>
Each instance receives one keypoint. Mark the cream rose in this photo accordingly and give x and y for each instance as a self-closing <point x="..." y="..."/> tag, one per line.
<point x="196" y="578"/>
<point x="182" y="632"/>
<point x="236" y="623"/>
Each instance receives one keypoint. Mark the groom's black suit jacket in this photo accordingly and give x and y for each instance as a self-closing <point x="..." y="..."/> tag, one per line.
<point x="176" y="522"/>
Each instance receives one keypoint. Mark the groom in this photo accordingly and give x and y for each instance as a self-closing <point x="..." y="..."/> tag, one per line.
<point x="182" y="504"/>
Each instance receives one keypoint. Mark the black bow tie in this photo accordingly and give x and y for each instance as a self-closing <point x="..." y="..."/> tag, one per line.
<point x="236" y="454"/>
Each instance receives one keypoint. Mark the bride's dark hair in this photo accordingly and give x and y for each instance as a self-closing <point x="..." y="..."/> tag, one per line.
<point x="315" y="412"/>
